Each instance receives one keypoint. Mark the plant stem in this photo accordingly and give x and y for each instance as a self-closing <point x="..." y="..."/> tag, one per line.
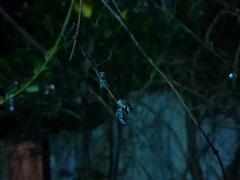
<point x="49" y="55"/>
<point x="77" y="30"/>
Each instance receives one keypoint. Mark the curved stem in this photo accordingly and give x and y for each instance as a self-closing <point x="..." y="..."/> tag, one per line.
<point x="49" y="55"/>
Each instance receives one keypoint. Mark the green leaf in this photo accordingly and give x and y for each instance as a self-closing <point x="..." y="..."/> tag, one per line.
<point x="33" y="89"/>
<point x="87" y="9"/>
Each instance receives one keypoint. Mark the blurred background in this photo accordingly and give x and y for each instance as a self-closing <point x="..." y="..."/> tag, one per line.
<point x="60" y="120"/>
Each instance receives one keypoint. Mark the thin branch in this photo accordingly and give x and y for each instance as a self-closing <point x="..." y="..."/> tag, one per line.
<point x="237" y="56"/>
<point x="162" y="74"/>
<point x="107" y="60"/>
<point x="118" y="9"/>
<point x="101" y="100"/>
<point x="97" y="73"/>
<point x="236" y="60"/>
<point x="214" y="22"/>
<point x="77" y="30"/>
<point x="108" y="90"/>
<point x="194" y="36"/>
<point x="72" y="113"/>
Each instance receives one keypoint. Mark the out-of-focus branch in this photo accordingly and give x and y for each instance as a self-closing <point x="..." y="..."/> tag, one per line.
<point x="77" y="30"/>
<point x="232" y="9"/>
<point x="22" y="31"/>
<point x="236" y="62"/>
<point x="214" y="22"/>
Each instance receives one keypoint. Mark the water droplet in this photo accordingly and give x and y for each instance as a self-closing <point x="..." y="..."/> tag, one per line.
<point x="52" y="86"/>
<point x="16" y="83"/>
<point x="11" y="108"/>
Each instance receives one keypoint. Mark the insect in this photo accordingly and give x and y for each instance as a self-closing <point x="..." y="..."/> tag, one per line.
<point x="103" y="80"/>
<point x="232" y="75"/>
<point x="124" y="108"/>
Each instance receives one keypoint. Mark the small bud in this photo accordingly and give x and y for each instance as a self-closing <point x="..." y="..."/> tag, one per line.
<point x="49" y="88"/>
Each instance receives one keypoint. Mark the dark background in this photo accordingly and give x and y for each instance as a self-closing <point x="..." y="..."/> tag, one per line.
<point x="195" y="43"/>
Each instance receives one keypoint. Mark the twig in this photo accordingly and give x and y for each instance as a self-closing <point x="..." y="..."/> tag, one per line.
<point x="118" y="9"/>
<point x="77" y="30"/>
<point x="97" y="73"/>
<point x="233" y="10"/>
<point x="100" y="99"/>
<point x="236" y="60"/>
<point x="36" y="45"/>
<point x="151" y="62"/>
<point x="103" y="62"/>
<point x="72" y="113"/>
<point x="194" y="36"/>
<point x="108" y="90"/>
<point x="237" y="56"/>
<point x="214" y="22"/>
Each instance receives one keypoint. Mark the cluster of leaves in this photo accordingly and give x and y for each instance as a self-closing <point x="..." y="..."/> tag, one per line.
<point x="124" y="108"/>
